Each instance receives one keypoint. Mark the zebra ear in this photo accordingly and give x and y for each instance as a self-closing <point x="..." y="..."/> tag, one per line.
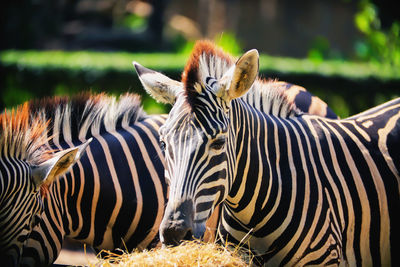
<point x="48" y="171"/>
<point x="239" y="79"/>
<point x="157" y="85"/>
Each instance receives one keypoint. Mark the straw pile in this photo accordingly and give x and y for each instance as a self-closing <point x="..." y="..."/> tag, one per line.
<point x="189" y="253"/>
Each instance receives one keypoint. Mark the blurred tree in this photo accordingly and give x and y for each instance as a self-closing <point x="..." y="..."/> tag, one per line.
<point x="77" y="24"/>
<point x="378" y="44"/>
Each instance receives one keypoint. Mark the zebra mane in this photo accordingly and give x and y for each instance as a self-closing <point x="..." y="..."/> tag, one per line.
<point x="271" y="97"/>
<point x="208" y="60"/>
<point x="85" y="115"/>
<point x="23" y="136"/>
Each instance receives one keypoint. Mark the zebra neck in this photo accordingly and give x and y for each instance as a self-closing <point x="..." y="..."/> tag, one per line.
<point x="262" y="163"/>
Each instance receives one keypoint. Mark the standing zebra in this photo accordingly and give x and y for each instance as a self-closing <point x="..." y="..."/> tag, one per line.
<point x="298" y="189"/>
<point x="26" y="169"/>
<point x="115" y="196"/>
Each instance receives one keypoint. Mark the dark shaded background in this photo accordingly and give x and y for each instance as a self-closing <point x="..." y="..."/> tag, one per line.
<point x="310" y="28"/>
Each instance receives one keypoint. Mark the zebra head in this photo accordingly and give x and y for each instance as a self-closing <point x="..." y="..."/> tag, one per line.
<point x="198" y="140"/>
<point x="27" y="169"/>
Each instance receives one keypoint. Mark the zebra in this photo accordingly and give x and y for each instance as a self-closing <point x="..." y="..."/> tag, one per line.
<point x="26" y="170"/>
<point x="68" y="212"/>
<point x="122" y="133"/>
<point x="114" y="196"/>
<point x="297" y="189"/>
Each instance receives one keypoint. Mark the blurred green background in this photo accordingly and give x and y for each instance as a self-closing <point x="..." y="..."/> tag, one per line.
<point x="345" y="52"/>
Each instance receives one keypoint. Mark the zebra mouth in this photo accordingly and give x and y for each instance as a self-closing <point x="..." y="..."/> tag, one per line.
<point x="188" y="236"/>
<point x="199" y="230"/>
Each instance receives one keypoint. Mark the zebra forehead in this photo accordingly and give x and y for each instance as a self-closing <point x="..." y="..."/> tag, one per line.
<point x="21" y="135"/>
<point x="206" y="60"/>
<point x="183" y="123"/>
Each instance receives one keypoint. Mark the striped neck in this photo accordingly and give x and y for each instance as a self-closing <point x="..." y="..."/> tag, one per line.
<point x="254" y="131"/>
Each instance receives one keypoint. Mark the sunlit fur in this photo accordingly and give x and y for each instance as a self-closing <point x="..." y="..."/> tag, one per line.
<point x="208" y="60"/>
<point x="298" y="189"/>
<point x="21" y="141"/>
<point x="114" y="196"/>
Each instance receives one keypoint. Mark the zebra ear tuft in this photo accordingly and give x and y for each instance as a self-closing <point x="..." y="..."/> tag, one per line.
<point x="239" y="79"/>
<point x="48" y="171"/>
<point x="157" y="85"/>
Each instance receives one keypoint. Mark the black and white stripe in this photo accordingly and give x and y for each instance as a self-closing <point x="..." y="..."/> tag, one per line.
<point x="26" y="169"/>
<point x="20" y="204"/>
<point x="297" y="189"/>
<point x="114" y="196"/>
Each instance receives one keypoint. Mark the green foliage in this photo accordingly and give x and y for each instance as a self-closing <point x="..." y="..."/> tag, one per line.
<point x="31" y="74"/>
<point x="229" y="43"/>
<point x="321" y="50"/>
<point x="84" y="60"/>
<point x="339" y="68"/>
<point x="15" y="96"/>
<point x="96" y="63"/>
<point x="378" y="44"/>
<point x="340" y="106"/>
<point x="226" y="40"/>
<point x="186" y="47"/>
<point x="134" y="22"/>
<point x="152" y="107"/>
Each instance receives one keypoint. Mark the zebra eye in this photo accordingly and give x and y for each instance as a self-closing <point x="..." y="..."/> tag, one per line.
<point x="164" y="149"/>
<point x="162" y="145"/>
<point x="218" y="144"/>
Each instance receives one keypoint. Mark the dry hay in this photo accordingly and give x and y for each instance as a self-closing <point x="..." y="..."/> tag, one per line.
<point x="189" y="253"/>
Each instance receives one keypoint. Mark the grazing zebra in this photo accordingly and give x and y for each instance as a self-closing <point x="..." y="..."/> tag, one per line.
<point x="297" y="189"/>
<point x="26" y="169"/>
<point x="114" y="196"/>
<point x="110" y="199"/>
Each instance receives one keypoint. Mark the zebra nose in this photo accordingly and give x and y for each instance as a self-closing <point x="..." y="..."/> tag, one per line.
<point x="177" y="223"/>
<point x="175" y="233"/>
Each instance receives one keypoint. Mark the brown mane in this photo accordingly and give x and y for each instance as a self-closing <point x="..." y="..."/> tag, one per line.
<point x="191" y="74"/>
<point x="207" y="59"/>
<point x="84" y="115"/>
<point x="22" y="136"/>
<point x="25" y="129"/>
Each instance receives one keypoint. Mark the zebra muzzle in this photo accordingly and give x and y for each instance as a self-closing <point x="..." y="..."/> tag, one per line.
<point x="177" y="224"/>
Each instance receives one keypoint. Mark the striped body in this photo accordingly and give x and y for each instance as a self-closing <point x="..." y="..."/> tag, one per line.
<point x="315" y="191"/>
<point x="114" y="196"/>
<point x="297" y="189"/>
<point x="20" y="205"/>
